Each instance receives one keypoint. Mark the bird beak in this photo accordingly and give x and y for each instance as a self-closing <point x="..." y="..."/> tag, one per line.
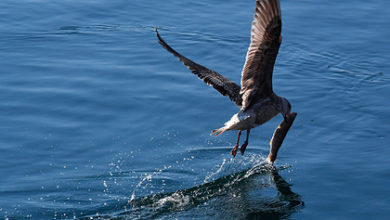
<point x="286" y="116"/>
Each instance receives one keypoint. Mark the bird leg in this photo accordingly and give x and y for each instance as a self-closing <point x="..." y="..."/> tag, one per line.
<point x="234" y="150"/>
<point x="243" y="147"/>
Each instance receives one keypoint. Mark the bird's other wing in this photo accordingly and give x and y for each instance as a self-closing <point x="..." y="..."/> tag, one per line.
<point x="212" y="78"/>
<point x="256" y="76"/>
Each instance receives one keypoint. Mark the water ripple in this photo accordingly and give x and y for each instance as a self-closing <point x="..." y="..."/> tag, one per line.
<point x="281" y="204"/>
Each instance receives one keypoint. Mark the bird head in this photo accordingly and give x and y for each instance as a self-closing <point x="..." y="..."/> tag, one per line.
<point x="286" y="108"/>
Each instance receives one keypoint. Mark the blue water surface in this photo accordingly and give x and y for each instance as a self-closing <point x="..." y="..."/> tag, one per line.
<point x="97" y="120"/>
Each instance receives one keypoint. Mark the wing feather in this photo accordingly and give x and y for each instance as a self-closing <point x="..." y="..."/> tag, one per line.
<point x="211" y="78"/>
<point x="256" y="76"/>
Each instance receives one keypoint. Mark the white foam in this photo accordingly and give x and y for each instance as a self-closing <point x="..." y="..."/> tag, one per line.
<point x="177" y="199"/>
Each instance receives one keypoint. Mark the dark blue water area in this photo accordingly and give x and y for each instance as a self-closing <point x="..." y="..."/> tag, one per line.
<point x="98" y="121"/>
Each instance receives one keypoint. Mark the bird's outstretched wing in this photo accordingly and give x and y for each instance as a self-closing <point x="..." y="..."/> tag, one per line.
<point x="256" y="77"/>
<point x="212" y="78"/>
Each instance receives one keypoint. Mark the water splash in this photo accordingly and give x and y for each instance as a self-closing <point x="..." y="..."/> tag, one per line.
<point x="230" y="165"/>
<point x="209" y="177"/>
<point x="148" y="177"/>
<point x="156" y="205"/>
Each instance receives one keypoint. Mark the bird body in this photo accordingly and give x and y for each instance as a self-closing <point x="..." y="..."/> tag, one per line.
<point x="255" y="97"/>
<point x="261" y="112"/>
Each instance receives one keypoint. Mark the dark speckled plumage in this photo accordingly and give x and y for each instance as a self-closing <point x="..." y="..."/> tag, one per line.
<point x="256" y="78"/>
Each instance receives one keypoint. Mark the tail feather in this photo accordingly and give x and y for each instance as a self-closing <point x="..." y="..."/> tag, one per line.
<point x="232" y="124"/>
<point x="218" y="131"/>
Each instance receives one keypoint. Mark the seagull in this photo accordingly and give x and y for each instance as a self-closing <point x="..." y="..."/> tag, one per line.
<point x="257" y="101"/>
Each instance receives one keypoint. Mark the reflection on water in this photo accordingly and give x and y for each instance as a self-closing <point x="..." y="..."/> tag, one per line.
<point x="256" y="193"/>
<point x="288" y="201"/>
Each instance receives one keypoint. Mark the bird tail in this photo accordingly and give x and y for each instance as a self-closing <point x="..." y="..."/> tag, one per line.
<point x="218" y="131"/>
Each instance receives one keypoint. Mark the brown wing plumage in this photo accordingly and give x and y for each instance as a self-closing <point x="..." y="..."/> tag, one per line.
<point x="212" y="78"/>
<point x="256" y="78"/>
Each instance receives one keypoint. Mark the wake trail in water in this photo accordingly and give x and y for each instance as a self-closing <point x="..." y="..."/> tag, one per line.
<point x="230" y="179"/>
<point x="214" y="186"/>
